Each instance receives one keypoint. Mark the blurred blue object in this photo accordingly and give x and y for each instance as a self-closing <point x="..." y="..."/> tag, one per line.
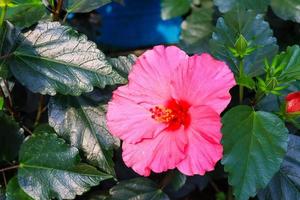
<point x="136" y="24"/>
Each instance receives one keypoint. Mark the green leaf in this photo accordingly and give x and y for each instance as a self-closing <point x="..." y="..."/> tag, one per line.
<point x="15" y="192"/>
<point x="246" y="81"/>
<point x="123" y="64"/>
<point x="287" y="64"/>
<point x="255" y="30"/>
<point x="259" y="6"/>
<point x="286" y="183"/>
<point x="197" y="29"/>
<point x="49" y="169"/>
<point x="287" y="9"/>
<point x="83" y="125"/>
<point x="8" y="42"/>
<point x="24" y="13"/>
<point x="177" y="181"/>
<point x="174" y="8"/>
<point x="254" y="146"/>
<point x="11" y="138"/>
<point x="1" y="103"/>
<point x="138" y="188"/>
<point x="82" y="6"/>
<point x="58" y="59"/>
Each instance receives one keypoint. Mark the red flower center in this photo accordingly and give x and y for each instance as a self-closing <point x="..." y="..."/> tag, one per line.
<point x="174" y="113"/>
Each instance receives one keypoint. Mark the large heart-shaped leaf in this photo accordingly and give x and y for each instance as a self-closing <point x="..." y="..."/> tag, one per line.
<point x="8" y="42"/>
<point x="82" y="6"/>
<point x="254" y="29"/>
<point x="138" y="188"/>
<point x="54" y="58"/>
<point x="287" y="9"/>
<point x="259" y="6"/>
<point x="197" y="29"/>
<point x="254" y="146"/>
<point x="15" y="192"/>
<point x="286" y="183"/>
<point x="49" y="169"/>
<point x="24" y="13"/>
<point x="83" y="125"/>
<point x="11" y="138"/>
<point x="174" y="8"/>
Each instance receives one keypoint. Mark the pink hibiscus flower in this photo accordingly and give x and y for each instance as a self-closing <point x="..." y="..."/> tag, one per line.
<point x="168" y="115"/>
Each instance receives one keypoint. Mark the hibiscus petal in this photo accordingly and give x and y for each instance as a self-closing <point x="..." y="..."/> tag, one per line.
<point x="203" y="81"/>
<point x="149" y="79"/>
<point x="129" y="121"/>
<point x="158" y="154"/>
<point x="204" y="148"/>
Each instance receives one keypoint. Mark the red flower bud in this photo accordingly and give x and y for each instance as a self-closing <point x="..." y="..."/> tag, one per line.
<point x="293" y="102"/>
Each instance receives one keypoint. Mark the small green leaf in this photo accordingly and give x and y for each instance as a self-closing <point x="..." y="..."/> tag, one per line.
<point x="241" y="46"/>
<point x="15" y="192"/>
<point x="11" y="138"/>
<point x="220" y="196"/>
<point x="177" y="181"/>
<point x="24" y="13"/>
<point x="254" y="146"/>
<point x="83" y="6"/>
<point x="287" y="9"/>
<point x="246" y="81"/>
<point x="53" y="169"/>
<point x="259" y="6"/>
<point x="138" y="188"/>
<point x="83" y="125"/>
<point x="255" y="30"/>
<point x="1" y="103"/>
<point x="174" y="8"/>
<point x="197" y="29"/>
<point x="56" y="58"/>
<point x="286" y="183"/>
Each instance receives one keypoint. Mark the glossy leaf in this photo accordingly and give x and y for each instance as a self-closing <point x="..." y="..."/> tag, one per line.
<point x="11" y="138"/>
<point x="82" y="6"/>
<point x="177" y="181"/>
<point x="15" y="192"/>
<point x="259" y="6"/>
<point x="49" y="169"/>
<point x="286" y="183"/>
<point x="287" y="9"/>
<point x="54" y="58"/>
<point x="197" y="29"/>
<point x="8" y="41"/>
<point x="254" y="144"/>
<point x="24" y="13"/>
<point x="83" y="125"/>
<point x="138" y="188"/>
<point x="174" y="8"/>
<point x="287" y="64"/>
<point x="123" y="64"/>
<point x="255" y="30"/>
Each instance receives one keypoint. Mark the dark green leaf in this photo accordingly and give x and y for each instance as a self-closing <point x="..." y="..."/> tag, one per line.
<point x="53" y="169"/>
<point x="54" y="58"/>
<point x="138" y="188"/>
<point x="174" y="8"/>
<point x="259" y="6"/>
<point x="286" y="183"/>
<point x="288" y="64"/>
<point x="82" y="6"/>
<point x="255" y="30"/>
<point x="123" y="64"/>
<point x="84" y="126"/>
<point x="15" y="192"/>
<point x="11" y="138"/>
<point x="24" y="13"/>
<point x="177" y="181"/>
<point x="254" y="146"/>
<point x="197" y="29"/>
<point x="8" y="42"/>
<point x="287" y="9"/>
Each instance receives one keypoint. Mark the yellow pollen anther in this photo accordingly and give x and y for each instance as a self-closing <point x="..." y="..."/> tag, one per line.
<point x="162" y="114"/>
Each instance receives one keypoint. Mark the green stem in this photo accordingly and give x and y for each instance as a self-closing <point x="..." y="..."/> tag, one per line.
<point x="241" y="88"/>
<point x="3" y="14"/>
